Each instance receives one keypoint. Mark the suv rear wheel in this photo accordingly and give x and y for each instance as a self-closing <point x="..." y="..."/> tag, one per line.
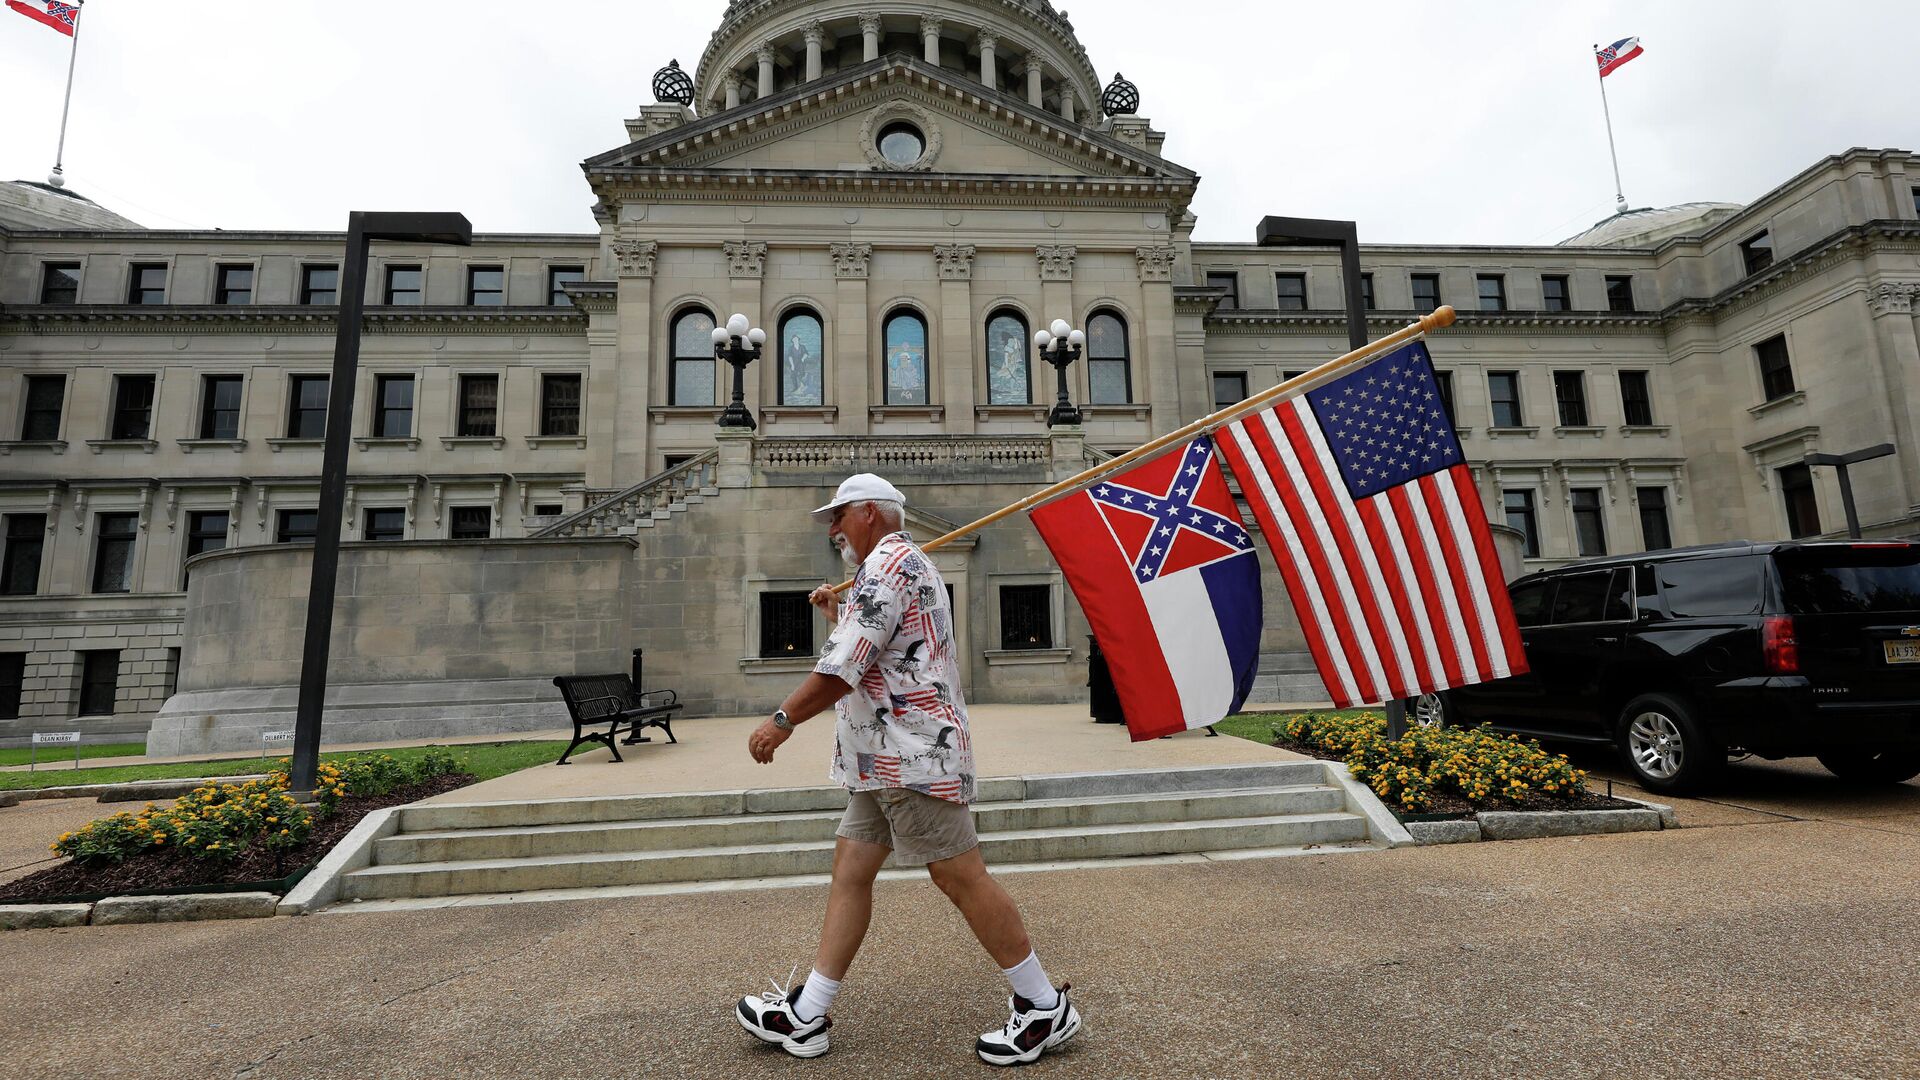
<point x="1665" y="747"/>
<point x="1429" y="710"/>
<point x="1873" y="766"/>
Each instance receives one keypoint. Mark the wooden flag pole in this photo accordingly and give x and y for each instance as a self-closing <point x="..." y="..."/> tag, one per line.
<point x="1441" y="318"/>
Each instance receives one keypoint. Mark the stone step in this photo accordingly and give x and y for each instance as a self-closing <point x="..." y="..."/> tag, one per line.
<point x="517" y="842"/>
<point x="600" y="869"/>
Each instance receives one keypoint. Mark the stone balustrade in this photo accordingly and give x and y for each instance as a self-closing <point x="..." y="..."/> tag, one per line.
<point x="651" y="499"/>
<point x="859" y="454"/>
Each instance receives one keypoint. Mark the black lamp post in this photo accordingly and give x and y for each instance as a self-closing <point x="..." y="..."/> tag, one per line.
<point x="1060" y="345"/>
<point x="1840" y="462"/>
<point x="363" y="227"/>
<point x="739" y="346"/>
<point x="1325" y="232"/>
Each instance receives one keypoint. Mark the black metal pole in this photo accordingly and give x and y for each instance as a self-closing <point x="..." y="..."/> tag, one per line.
<point x="333" y="490"/>
<point x="1846" y="500"/>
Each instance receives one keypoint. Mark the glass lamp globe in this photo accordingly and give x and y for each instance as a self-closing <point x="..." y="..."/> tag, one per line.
<point x="737" y="325"/>
<point x="1060" y="328"/>
<point x="719" y="335"/>
<point x="1077" y="338"/>
<point x="1042" y="339"/>
<point x="757" y="336"/>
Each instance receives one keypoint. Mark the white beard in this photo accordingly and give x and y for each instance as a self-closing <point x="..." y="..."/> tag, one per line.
<point x="846" y="554"/>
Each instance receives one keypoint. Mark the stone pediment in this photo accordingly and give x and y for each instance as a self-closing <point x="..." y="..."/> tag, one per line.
<point x="829" y="127"/>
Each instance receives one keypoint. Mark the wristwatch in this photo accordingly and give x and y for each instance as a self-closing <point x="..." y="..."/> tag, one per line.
<point x="780" y="720"/>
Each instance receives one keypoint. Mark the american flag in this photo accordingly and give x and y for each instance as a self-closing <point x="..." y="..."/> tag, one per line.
<point x="1372" y="515"/>
<point x="59" y="16"/>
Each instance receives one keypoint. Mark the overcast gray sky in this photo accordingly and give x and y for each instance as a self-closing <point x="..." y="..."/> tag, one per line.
<point x="1426" y="122"/>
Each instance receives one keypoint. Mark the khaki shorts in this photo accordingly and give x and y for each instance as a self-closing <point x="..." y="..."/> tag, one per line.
<point x="919" y="828"/>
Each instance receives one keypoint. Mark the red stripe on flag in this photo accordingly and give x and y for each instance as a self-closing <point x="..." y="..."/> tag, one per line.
<point x="1445" y="530"/>
<point x="1423" y="574"/>
<point x="1495" y="592"/>
<point x="1400" y="593"/>
<point x="40" y="16"/>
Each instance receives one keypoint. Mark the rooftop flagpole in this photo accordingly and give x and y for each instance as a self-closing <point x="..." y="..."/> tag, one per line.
<point x="57" y="177"/>
<point x="1619" y="196"/>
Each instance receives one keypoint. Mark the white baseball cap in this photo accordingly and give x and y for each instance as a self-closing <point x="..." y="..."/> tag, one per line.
<point x="860" y="487"/>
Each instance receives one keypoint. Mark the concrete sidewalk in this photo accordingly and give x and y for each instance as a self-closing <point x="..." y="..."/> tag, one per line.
<point x="283" y="750"/>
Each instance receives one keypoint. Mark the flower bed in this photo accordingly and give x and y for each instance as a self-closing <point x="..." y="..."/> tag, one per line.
<point x="1444" y="771"/>
<point x="222" y="834"/>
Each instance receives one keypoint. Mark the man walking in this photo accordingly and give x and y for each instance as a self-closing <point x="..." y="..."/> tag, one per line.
<point x="902" y="751"/>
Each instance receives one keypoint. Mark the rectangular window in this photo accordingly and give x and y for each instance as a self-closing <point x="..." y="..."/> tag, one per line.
<point x="1493" y="292"/>
<point x="1620" y="293"/>
<point x="1757" y="253"/>
<point x="471" y="523"/>
<point x="1554" y="295"/>
<point x="1229" y="282"/>
<point x="560" y="405"/>
<point x="1570" y="394"/>
<point x="1776" y="368"/>
<point x="1026" y="616"/>
<point x="113" y="552"/>
<point x="1290" y="291"/>
<point x="1229" y="388"/>
<point x="548" y="509"/>
<point x="1636" y="402"/>
<point x="307" y="409"/>
<point x="20" y="564"/>
<point x="1803" y="506"/>
<point x="1589" y="524"/>
<point x="1366" y="292"/>
<point x="1520" y="515"/>
<point x="132" y="406"/>
<point x="486" y="286"/>
<point x="147" y="283"/>
<point x="1916" y="202"/>
<point x="99" y="681"/>
<point x="1444" y="381"/>
<point x="13" y="672"/>
<point x="220" y="407"/>
<point x="319" y="285"/>
<point x="296" y="526"/>
<point x="46" y="395"/>
<point x="1426" y="291"/>
<point x="1655" y="533"/>
<point x="393" y="406"/>
<point x="1581" y="598"/>
<point x="404" y="284"/>
<point x="206" y="531"/>
<point x="786" y="624"/>
<point x="479" y="405"/>
<point x="559" y="276"/>
<point x="1504" y="389"/>
<point x="233" y="285"/>
<point x="60" y="283"/>
<point x="385" y="523"/>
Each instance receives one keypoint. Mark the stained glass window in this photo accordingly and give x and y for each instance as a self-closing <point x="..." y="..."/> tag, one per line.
<point x="800" y="353"/>
<point x="906" y="359"/>
<point x="1009" y="378"/>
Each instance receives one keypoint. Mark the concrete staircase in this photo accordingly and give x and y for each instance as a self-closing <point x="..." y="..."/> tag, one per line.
<point x="657" y="498"/>
<point x="1287" y="678"/>
<point x="570" y="848"/>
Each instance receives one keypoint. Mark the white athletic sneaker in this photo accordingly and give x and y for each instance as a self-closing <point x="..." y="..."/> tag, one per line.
<point x="1030" y="1032"/>
<point x="770" y="1017"/>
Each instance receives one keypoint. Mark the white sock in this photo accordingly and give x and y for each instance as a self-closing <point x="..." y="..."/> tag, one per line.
<point x="1030" y="981"/>
<point x="816" y="997"/>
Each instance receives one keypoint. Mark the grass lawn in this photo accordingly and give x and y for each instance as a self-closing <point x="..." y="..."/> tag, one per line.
<point x="57" y="754"/>
<point x="484" y="760"/>
<point x="1258" y="726"/>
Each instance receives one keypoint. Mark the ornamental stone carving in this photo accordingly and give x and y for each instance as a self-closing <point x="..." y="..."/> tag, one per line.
<point x="900" y="110"/>
<point x="1893" y="299"/>
<point x="1056" y="261"/>
<point x="955" y="261"/>
<point x="1156" y="263"/>
<point x="814" y="34"/>
<point x="930" y="24"/>
<point x="745" y="258"/>
<point x="869" y="24"/>
<point x="850" y="261"/>
<point x="635" y="257"/>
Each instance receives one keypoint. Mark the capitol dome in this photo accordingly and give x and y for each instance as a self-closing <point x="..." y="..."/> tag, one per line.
<point x="1649" y="226"/>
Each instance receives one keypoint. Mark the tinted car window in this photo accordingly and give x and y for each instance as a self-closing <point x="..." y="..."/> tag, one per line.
<point x="1620" y="596"/>
<point x="1530" y="602"/>
<point x="1712" y="587"/>
<point x="1828" y="581"/>
<point x="1582" y="597"/>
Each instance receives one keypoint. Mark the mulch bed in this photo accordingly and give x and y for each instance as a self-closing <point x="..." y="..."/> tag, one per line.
<point x="172" y="868"/>
<point x="1442" y="804"/>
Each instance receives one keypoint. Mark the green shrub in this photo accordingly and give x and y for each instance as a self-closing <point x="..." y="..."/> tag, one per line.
<point x="214" y="821"/>
<point x="1472" y="764"/>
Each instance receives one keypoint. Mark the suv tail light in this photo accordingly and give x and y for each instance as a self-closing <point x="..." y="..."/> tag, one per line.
<point x="1778" y="645"/>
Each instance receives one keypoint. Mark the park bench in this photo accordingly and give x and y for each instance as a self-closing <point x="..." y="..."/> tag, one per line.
<point x="614" y="705"/>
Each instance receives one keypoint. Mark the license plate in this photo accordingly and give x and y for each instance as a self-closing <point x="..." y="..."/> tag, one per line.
<point x="1902" y="652"/>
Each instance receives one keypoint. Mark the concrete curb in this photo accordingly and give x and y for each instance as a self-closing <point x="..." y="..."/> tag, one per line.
<point x="43" y="916"/>
<point x="321" y="886"/>
<point x="1535" y="824"/>
<point x="9" y="798"/>
<point x="121" y="910"/>
<point x="137" y="791"/>
<point x="1381" y="824"/>
<point x="1459" y="831"/>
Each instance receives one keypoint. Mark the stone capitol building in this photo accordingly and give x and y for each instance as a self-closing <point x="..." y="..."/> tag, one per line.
<point x="900" y="193"/>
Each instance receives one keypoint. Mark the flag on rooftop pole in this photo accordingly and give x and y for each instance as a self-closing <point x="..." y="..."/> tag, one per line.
<point x="1616" y="54"/>
<point x="1610" y="58"/>
<point x="61" y="17"/>
<point x="1372" y="515"/>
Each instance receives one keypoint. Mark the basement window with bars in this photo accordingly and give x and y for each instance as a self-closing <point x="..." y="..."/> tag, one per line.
<point x="786" y="625"/>
<point x="1026" y="616"/>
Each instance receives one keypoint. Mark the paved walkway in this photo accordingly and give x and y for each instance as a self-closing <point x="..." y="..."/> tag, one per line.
<point x="283" y="750"/>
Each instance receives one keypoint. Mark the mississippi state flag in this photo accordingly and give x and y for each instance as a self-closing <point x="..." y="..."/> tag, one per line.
<point x="1169" y="580"/>
<point x="1616" y="54"/>
<point x="57" y="15"/>
<point x="1371" y="512"/>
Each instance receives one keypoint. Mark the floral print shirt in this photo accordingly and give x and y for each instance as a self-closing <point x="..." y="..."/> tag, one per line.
<point x="904" y="724"/>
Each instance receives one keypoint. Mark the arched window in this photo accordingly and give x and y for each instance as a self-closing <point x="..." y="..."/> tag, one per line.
<point x="800" y="353"/>
<point x="1108" y="376"/>
<point x="904" y="362"/>
<point x="1009" y="366"/>
<point x="690" y="382"/>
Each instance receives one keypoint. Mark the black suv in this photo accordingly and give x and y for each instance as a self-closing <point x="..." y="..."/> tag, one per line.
<point x="1681" y="658"/>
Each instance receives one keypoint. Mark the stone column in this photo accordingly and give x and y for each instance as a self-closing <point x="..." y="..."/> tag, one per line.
<point x="765" y="56"/>
<point x="1034" y="70"/>
<point x="815" y="34"/>
<point x="1895" y="340"/>
<point x="1066" y="104"/>
<point x="626" y="332"/>
<point x="1056" y="302"/>
<point x="988" y="74"/>
<point x="852" y="372"/>
<point x="746" y="266"/>
<point x="954" y="265"/>
<point x="1156" y="359"/>
<point x="869" y="37"/>
<point x="1067" y="444"/>
<point x="930" y="37"/>
<point x="733" y="93"/>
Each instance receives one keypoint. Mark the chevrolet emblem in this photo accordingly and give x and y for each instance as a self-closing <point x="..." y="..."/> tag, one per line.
<point x="1910" y="631"/>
